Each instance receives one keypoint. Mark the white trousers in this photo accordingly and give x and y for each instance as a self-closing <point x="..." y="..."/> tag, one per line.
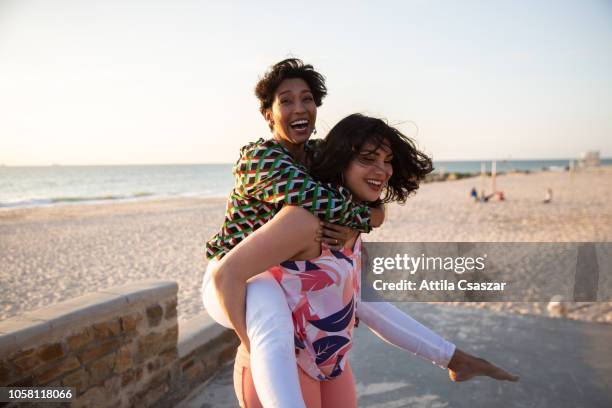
<point x="270" y="330"/>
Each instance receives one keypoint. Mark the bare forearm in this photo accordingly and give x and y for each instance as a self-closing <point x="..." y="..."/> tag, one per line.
<point x="280" y="239"/>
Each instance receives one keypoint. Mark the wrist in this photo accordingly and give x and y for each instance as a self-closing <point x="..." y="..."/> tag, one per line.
<point x="377" y="215"/>
<point x="456" y="360"/>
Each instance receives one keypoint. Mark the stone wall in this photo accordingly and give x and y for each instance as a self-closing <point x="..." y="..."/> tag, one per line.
<point x="119" y="347"/>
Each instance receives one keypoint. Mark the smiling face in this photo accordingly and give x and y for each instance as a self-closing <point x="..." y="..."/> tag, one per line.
<point x="293" y="113"/>
<point x="368" y="172"/>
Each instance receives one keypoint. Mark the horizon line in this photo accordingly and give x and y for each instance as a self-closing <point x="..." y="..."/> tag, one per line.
<point x="231" y="163"/>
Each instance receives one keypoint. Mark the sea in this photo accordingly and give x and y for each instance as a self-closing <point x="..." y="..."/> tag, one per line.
<point x="43" y="186"/>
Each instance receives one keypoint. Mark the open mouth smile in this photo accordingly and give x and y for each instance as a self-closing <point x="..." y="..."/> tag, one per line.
<point x="374" y="184"/>
<point x="299" y="125"/>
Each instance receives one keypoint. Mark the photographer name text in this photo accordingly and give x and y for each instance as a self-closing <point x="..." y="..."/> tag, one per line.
<point x="438" y="285"/>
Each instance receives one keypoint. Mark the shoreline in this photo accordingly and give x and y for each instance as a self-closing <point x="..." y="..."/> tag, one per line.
<point x="433" y="177"/>
<point x="94" y="208"/>
<point x="56" y="253"/>
<point x="72" y="202"/>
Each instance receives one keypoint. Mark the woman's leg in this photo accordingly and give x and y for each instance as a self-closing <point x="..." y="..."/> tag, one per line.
<point x="209" y="297"/>
<point x="339" y="392"/>
<point x="245" y="389"/>
<point x="270" y="331"/>
<point x="243" y="381"/>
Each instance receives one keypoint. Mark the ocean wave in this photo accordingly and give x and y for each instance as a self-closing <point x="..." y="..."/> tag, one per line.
<point x="26" y="203"/>
<point x="72" y="200"/>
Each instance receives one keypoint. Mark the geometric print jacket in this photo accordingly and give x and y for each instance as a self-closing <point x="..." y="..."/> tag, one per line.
<point x="266" y="179"/>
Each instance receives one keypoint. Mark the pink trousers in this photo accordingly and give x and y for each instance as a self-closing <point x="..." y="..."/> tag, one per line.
<point x="339" y="392"/>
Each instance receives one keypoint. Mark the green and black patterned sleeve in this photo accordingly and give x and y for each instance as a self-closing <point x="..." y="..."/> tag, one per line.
<point x="266" y="172"/>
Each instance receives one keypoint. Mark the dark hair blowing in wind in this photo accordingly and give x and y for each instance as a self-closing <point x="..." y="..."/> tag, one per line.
<point x="346" y="140"/>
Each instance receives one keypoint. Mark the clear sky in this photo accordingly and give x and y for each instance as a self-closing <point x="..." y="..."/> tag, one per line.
<point x="116" y="82"/>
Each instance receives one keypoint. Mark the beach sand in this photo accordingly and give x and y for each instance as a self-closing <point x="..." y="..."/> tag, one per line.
<point x="53" y="254"/>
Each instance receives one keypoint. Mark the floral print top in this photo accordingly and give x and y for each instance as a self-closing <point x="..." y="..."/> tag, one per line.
<point x="322" y="294"/>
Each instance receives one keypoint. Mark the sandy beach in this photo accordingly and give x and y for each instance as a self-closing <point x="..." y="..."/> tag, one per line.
<point x="56" y="253"/>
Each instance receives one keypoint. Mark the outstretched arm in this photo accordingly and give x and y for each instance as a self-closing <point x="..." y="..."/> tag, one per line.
<point x="399" y="329"/>
<point x="282" y="238"/>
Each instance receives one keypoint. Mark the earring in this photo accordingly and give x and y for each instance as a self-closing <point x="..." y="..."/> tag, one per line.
<point x="314" y="130"/>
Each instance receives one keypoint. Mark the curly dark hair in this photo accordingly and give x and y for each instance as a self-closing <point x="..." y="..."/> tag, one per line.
<point x="286" y="69"/>
<point x="346" y="140"/>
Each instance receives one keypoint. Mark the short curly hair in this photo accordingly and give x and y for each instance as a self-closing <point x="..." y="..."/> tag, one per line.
<point x="286" y="69"/>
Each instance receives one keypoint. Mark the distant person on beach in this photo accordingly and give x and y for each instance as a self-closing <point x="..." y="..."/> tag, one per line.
<point x="548" y="196"/>
<point x="289" y="95"/>
<point x="484" y="198"/>
<point x="474" y="194"/>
